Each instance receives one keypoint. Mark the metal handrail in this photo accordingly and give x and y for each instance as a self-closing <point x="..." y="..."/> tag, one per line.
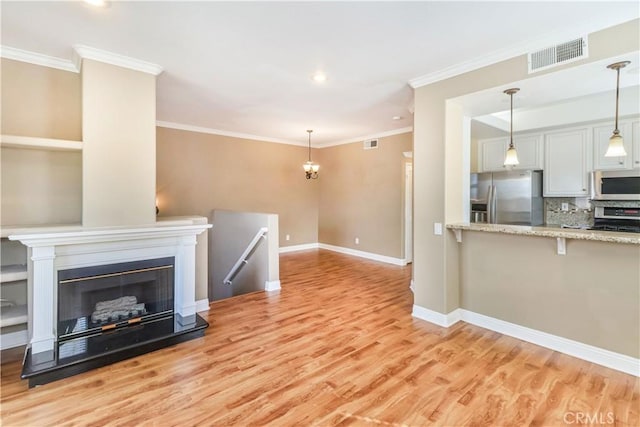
<point x="244" y="258"/>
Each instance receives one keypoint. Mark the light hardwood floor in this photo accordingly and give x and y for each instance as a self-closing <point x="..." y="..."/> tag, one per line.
<point x="336" y="346"/>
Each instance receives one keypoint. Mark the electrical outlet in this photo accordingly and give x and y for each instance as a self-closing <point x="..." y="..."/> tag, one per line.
<point x="287" y="237"/>
<point x="565" y="207"/>
<point x="357" y="241"/>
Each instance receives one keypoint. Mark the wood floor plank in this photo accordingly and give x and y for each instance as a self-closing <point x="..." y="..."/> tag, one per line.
<point x="336" y="346"/>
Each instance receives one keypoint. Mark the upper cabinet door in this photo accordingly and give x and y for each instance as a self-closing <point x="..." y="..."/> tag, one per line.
<point x="635" y="159"/>
<point x="491" y="154"/>
<point x="530" y="151"/>
<point x="567" y="160"/>
<point x="601" y="135"/>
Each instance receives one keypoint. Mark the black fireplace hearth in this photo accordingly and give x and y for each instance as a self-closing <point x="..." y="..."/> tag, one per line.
<point x="90" y="352"/>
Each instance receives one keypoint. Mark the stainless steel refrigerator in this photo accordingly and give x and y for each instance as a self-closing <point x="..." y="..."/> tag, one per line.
<point x="510" y="197"/>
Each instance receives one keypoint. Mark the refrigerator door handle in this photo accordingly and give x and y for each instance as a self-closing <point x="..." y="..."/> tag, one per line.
<point x="494" y="205"/>
<point x="490" y="204"/>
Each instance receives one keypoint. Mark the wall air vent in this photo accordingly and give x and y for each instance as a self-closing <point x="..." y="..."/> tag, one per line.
<point x="559" y="54"/>
<point x="370" y="144"/>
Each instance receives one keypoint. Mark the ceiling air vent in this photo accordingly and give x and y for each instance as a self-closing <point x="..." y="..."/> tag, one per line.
<point x="370" y="144"/>
<point x="559" y="54"/>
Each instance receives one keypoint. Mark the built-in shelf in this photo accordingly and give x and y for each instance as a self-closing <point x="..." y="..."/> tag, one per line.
<point x="13" y="273"/>
<point x="11" y="315"/>
<point x="14" y="141"/>
<point x="8" y="230"/>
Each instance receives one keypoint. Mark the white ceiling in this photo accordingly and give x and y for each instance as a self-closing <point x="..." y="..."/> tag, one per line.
<point x="245" y="67"/>
<point x="574" y="95"/>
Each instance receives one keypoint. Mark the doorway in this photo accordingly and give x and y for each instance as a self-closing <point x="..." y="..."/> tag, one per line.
<point x="408" y="212"/>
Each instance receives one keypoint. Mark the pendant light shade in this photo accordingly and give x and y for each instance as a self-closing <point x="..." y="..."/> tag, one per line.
<point x="310" y="169"/>
<point x="616" y="143"/>
<point x="511" y="158"/>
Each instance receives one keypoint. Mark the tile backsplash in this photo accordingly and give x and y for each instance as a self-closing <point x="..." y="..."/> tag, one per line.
<point x="579" y="213"/>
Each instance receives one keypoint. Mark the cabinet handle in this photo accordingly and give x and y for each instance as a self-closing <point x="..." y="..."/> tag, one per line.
<point x="622" y="163"/>
<point x="637" y="161"/>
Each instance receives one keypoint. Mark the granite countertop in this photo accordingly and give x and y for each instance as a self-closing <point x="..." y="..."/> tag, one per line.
<point x="542" y="231"/>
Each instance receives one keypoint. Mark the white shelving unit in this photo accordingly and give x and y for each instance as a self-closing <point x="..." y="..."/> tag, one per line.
<point x="14" y="141"/>
<point x="13" y="273"/>
<point x="11" y="315"/>
<point x="13" y="307"/>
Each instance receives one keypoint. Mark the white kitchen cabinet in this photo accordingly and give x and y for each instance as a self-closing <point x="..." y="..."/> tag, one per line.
<point x="601" y="135"/>
<point x="567" y="163"/>
<point x="530" y="151"/>
<point x="492" y="152"/>
<point x="635" y="158"/>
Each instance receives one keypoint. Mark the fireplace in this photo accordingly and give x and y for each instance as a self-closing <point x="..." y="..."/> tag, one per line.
<point x="102" y="295"/>
<point x="93" y="300"/>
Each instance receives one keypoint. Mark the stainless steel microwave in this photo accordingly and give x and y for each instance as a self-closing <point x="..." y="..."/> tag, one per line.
<point x="615" y="185"/>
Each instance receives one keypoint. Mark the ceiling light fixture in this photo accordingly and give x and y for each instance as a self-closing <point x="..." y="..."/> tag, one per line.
<point x="319" y="77"/>
<point x="310" y="168"/>
<point x="511" y="159"/>
<point x="97" y="3"/>
<point x="616" y="143"/>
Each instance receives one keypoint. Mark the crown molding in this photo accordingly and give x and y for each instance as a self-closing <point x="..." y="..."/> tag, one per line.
<point x="199" y="129"/>
<point x="371" y="136"/>
<point x="37" y="59"/>
<point x="85" y="52"/>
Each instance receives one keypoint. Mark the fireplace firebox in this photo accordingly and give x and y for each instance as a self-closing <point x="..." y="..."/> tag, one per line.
<point x="96" y="299"/>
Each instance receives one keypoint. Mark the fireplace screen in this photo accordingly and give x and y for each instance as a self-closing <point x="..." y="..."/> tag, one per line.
<point x="95" y="299"/>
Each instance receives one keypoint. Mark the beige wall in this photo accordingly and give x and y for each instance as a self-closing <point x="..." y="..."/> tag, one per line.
<point x="40" y="101"/>
<point x="40" y="187"/>
<point x="199" y="172"/>
<point x="361" y="195"/>
<point x="118" y="157"/>
<point x="437" y="170"/>
<point x="589" y="295"/>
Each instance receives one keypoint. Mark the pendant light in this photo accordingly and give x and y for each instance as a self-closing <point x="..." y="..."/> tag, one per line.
<point x="616" y="143"/>
<point x="511" y="158"/>
<point x="310" y="168"/>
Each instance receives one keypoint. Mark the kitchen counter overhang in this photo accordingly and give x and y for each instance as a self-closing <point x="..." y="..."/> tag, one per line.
<point x="559" y="233"/>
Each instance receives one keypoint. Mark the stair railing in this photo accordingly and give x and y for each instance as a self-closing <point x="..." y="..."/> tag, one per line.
<point x="244" y="258"/>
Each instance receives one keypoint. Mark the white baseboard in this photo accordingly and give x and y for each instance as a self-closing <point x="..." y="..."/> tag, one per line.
<point x="202" y="305"/>
<point x="412" y="287"/>
<point x="13" y="339"/>
<point x="363" y="254"/>
<point x="272" y="285"/>
<point x="295" y="248"/>
<point x="343" y="250"/>
<point x="597" y="355"/>
<point x="444" y="320"/>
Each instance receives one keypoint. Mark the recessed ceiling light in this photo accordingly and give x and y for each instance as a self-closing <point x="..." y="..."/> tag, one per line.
<point x="319" y="77"/>
<point x="396" y="118"/>
<point x="97" y="3"/>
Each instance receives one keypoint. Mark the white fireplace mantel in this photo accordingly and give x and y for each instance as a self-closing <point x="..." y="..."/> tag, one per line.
<point x="49" y="252"/>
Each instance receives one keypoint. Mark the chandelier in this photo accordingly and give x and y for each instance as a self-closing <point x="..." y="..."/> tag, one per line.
<point x="310" y="168"/>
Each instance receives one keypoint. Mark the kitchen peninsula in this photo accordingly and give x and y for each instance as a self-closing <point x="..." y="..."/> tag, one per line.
<point x="576" y="291"/>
